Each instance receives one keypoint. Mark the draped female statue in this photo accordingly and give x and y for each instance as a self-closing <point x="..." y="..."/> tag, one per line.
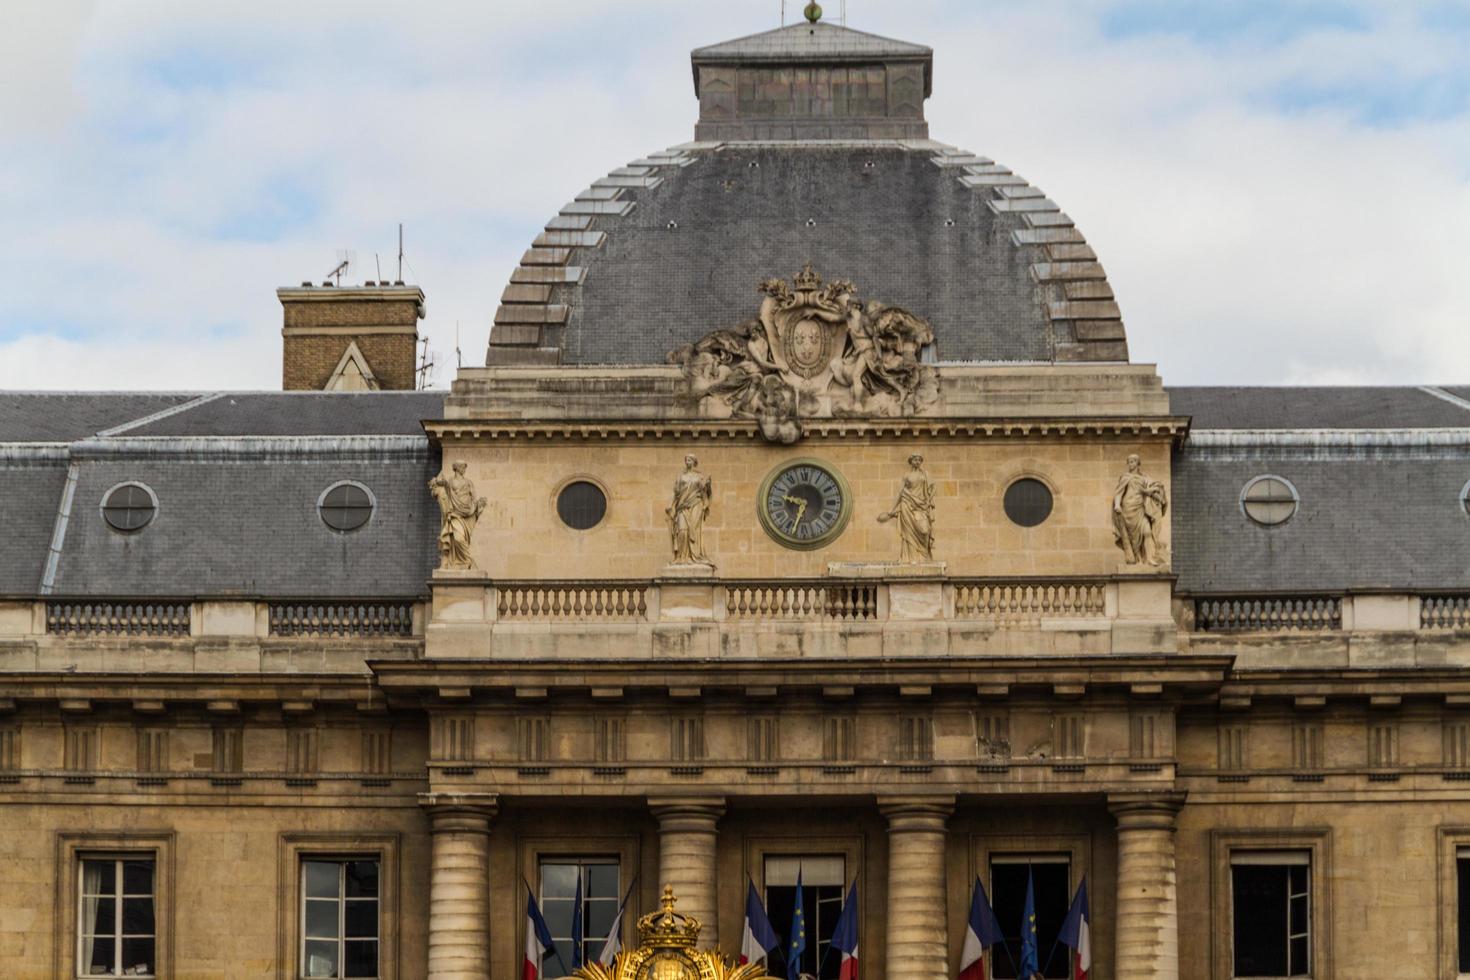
<point x="1139" y="506"/>
<point x="914" y="510"/>
<point x="460" y="511"/>
<point x="686" y="515"/>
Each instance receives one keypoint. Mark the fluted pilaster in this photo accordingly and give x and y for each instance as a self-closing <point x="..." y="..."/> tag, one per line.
<point x="1148" y="905"/>
<point x="918" y="944"/>
<point x="459" y="885"/>
<point x="686" y="857"/>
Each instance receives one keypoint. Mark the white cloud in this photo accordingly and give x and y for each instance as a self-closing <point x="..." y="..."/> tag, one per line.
<point x="1248" y="243"/>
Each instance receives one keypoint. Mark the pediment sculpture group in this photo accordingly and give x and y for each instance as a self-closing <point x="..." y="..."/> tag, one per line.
<point x="814" y="350"/>
<point x="1139" y="505"/>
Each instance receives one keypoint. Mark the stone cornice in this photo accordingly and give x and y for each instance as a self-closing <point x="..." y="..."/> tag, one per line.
<point x="572" y="430"/>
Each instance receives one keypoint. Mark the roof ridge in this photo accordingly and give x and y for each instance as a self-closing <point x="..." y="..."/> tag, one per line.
<point x="796" y="28"/>
<point x="159" y="415"/>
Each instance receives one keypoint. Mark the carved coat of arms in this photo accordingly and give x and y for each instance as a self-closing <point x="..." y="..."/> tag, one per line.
<point x="813" y="351"/>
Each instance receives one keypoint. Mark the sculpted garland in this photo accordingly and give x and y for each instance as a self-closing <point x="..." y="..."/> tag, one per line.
<point x="813" y="351"/>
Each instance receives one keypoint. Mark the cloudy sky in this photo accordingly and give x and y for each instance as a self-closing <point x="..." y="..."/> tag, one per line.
<point x="1280" y="189"/>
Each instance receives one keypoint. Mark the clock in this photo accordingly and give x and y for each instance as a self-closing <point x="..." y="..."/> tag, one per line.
<point x="804" y="504"/>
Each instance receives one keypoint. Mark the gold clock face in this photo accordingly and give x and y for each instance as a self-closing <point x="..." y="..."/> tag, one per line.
<point x="804" y="504"/>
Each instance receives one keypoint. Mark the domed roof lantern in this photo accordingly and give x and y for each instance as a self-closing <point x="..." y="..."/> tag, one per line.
<point x="812" y="80"/>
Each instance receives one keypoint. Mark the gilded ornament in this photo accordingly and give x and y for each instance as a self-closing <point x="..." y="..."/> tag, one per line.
<point x="1139" y="506"/>
<point x="667" y="950"/>
<point x="460" y="511"/>
<point x="813" y="351"/>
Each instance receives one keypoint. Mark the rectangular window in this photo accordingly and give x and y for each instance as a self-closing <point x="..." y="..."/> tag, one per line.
<point x="339" y="917"/>
<point x="1462" y="905"/>
<point x="1271" y="913"/>
<point x="823" y="884"/>
<point x="1051" y="877"/>
<point x="601" y="884"/>
<point x="116" y="932"/>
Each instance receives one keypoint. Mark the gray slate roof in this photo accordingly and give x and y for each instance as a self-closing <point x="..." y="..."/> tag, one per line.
<point x="237" y="477"/>
<point x="803" y="41"/>
<point x="1315" y="408"/>
<point x="1379" y="509"/>
<point x="687" y="259"/>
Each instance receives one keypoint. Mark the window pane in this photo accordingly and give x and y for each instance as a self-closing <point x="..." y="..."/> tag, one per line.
<point x="137" y="877"/>
<point x="602" y="881"/>
<point x="362" y="879"/>
<point x="820" y="906"/>
<point x="321" y="959"/>
<point x="321" y="879"/>
<point x="137" y="917"/>
<point x="137" y="956"/>
<point x="99" y="877"/>
<point x="1008" y="892"/>
<point x="815" y="870"/>
<point x="558" y="880"/>
<point x="1462" y="868"/>
<point x="558" y="914"/>
<point x="106" y="917"/>
<point x="1300" y="959"/>
<point x="102" y="953"/>
<point x="361" y="919"/>
<point x="599" y="916"/>
<point x="362" y="959"/>
<point x="551" y="966"/>
<point x="321" y="919"/>
<point x="1258" y="897"/>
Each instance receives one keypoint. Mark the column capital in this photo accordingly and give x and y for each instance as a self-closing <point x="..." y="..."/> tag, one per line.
<point x="1145" y="811"/>
<point x="696" y="809"/>
<point x="916" y="812"/>
<point x="460" y="812"/>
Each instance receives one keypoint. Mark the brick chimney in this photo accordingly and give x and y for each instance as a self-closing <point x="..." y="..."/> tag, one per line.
<point x="350" y="338"/>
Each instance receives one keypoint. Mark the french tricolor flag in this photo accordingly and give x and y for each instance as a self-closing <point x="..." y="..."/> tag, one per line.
<point x="845" y="937"/>
<point x="981" y="932"/>
<point x="758" y="938"/>
<point x="538" y="939"/>
<point x="1076" y="934"/>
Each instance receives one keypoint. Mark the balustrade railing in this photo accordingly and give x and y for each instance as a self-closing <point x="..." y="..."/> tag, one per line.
<point x="607" y="601"/>
<point x="1438" y="612"/>
<point x="118" y="618"/>
<point x="1236" y="614"/>
<point x="846" y="602"/>
<point x="1015" y="603"/>
<point x="341" y="618"/>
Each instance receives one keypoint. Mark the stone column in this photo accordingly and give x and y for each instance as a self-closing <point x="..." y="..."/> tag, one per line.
<point x="918" y="917"/>
<point x="1147" y="944"/>
<point x="459" y="885"/>
<point x="686" y="857"/>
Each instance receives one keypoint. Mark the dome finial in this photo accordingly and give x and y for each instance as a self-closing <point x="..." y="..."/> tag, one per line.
<point x="813" y="11"/>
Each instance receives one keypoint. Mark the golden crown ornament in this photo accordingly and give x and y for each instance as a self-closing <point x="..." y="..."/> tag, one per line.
<point x="666" y="951"/>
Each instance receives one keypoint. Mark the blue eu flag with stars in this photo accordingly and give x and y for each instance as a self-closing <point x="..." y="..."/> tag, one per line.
<point x="798" y="935"/>
<point x="1030" y="961"/>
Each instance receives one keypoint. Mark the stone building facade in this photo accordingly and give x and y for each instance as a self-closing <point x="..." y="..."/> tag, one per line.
<point x="812" y="525"/>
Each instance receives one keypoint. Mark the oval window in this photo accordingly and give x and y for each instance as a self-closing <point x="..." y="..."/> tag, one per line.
<point x="129" y="507"/>
<point x="581" y="505"/>
<point x="1269" y="500"/>
<point x="1028" y="502"/>
<point x="345" y="507"/>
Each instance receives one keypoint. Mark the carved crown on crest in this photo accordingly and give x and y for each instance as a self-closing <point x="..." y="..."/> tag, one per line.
<point x="667" y="929"/>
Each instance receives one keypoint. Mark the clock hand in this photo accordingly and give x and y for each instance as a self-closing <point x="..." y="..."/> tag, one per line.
<point x="800" y="503"/>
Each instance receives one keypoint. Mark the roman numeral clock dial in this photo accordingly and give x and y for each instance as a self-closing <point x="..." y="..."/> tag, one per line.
<point x="804" y="504"/>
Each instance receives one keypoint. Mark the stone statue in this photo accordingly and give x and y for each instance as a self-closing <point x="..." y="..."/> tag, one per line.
<point x="692" y="493"/>
<point x="914" y="509"/>
<point x="813" y="351"/>
<point x="1139" y="506"/>
<point x="461" y="510"/>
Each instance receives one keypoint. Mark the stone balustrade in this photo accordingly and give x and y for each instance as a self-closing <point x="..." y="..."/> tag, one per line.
<point x="184" y="618"/>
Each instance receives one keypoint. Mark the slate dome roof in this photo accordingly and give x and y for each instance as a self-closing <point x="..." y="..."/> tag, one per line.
<point x="811" y="148"/>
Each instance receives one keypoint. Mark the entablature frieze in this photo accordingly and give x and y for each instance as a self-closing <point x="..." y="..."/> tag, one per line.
<point x="462" y="431"/>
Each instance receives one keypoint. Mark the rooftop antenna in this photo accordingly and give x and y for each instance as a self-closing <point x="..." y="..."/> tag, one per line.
<point x="458" y="356"/>
<point x="783" y="13"/>
<point x="428" y="365"/>
<point x="844" y="13"/>
<point x="378" y="264"/>
<point x="346" y="259"/>
<point x="400" y="254"/>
